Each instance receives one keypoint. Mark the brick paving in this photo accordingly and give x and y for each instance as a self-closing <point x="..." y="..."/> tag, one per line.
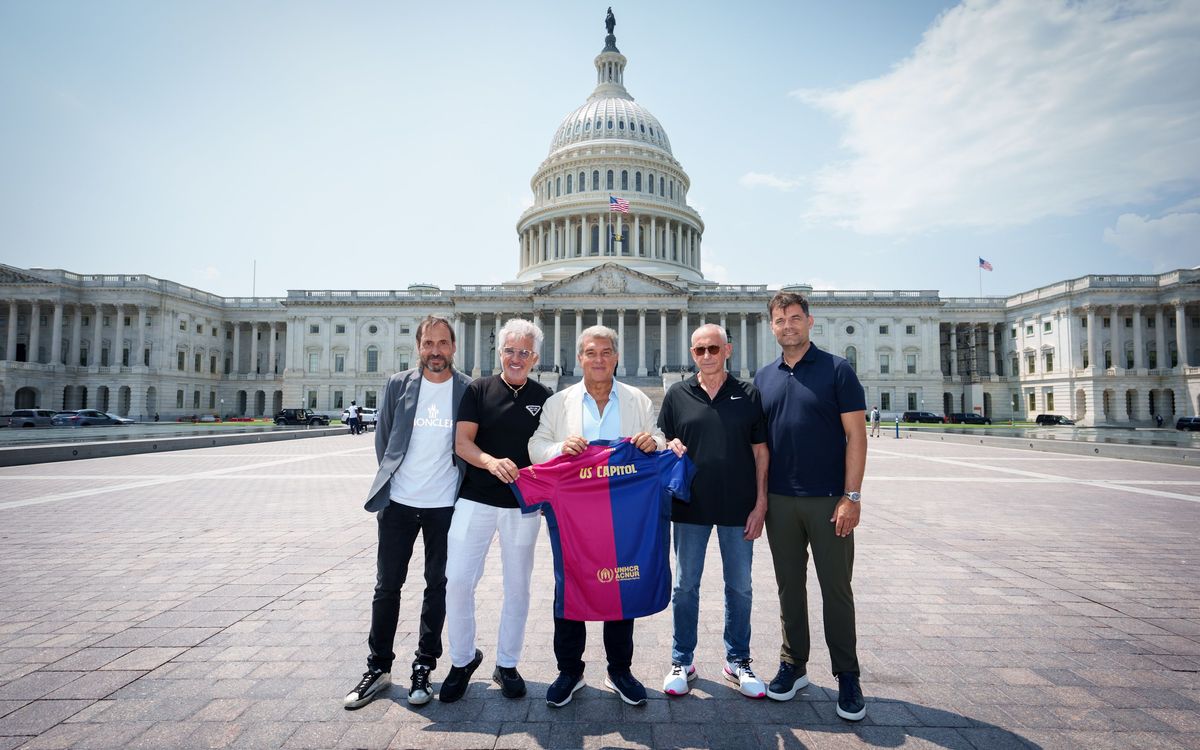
<point x="219" y="598"/>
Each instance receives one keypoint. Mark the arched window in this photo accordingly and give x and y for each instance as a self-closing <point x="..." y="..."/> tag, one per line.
<point x="569" y="184"/>
<point x="650" y="182"/>
<point x="372" y="359"/>
<point x="637" y="181"/>
<point x="595" y="179"/>
<point x="624" y="179"/>
<point x="582" y="181"/>
<point x="621" y="124"/>
<point x="852" y="357"/>
<point x="672" y="189"/>
<point x="557" y="186"/>
<point x="587" y="126"/>
<point x="610" y="180"/>
<point x="662" y="189"/>
<point x="610" y="124"/>
<point x="547" y="188"/>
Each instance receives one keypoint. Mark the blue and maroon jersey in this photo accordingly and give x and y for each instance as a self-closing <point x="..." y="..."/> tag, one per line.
<point x="609" y="515"/>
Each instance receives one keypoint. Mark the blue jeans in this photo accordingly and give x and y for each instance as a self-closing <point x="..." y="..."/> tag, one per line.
<point x="691" y="542"/>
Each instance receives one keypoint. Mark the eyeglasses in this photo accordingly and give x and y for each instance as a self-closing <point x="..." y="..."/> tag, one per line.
<point x="508" y="351"/>
<point x="712" y="349"/>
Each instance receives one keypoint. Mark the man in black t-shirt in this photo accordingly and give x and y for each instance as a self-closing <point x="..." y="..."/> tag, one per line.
<point x="496" y="418"/>
<point x="720" y="419"/>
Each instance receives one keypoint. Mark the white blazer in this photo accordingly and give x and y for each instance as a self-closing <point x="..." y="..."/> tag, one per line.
<point x="562" y="417"/>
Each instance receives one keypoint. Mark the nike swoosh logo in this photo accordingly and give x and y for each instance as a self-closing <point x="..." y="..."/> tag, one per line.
<point x="734" y="398"/>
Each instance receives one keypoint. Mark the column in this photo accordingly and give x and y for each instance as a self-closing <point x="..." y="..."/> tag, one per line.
<point x="352" y="353"/>
<point x="641" y="368"/>
<point x="166" y="361"/>
<point x="763" y="329"/>
<point x="1181" y="336"/>
<point x="617" y="247"/>
<point x="1139" y="355"/>
<point x="991" y="343"/>
<point x="743" y="345"/>
<point x="654" y="250"/>
<point x="76" y="336"/>
<point x="621" y="369"/>
<point x="477" y="350"/>
<point x="599" y="316"/>
<point x="115" y="354"/>
<point x="570" y="236"/>
<point x="1118" y="347"/>
<point x="141" y="338"/>
<point x="327" y="349"/>
<point x="56" y="335"/>
<point x="684" y="338"/>
<point x="662" y="340"/>
<point x="35" y="332"/>
<point x="953" y="349"/>
<point x="497" y="345"/>
<point x="97" y="332"/>
<point x="237" y="350"/>
<point x="679" y="239"/>
<point x="293" y="326"/>
<point x="1160" y="340"/>
<point x="271" y="348"/>
<point x="11" y="351"/>
<point x="558" y="340"/>
<point x="537" y="254"/>
<point x="637" y="246"/>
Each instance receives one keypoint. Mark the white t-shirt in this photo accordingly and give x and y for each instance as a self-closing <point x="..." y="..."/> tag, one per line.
<point x="353" y="412"/>
<point x="427" y="477"/>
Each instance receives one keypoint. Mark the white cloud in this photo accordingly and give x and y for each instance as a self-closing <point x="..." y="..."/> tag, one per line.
<point x="714" y="271"/>
<point x="1013" y="110"/>
<point x="759" y="179"/>
<point x="1170" y="242"/>
<point x="209" y="273"/>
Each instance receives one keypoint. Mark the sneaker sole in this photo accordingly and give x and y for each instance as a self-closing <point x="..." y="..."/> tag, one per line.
<point x="737" y="681"/>
<point x="608" y="683"/>
<point x="691" y="676"/>
<point x="801" y="683"/>
<point x="852" y="717"/>
<point x="579" y="684"/>
<point x="419" y="700"/>
<point x="380" y="685"/>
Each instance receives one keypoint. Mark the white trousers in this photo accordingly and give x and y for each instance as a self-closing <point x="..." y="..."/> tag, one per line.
<point x="471" y="533"/>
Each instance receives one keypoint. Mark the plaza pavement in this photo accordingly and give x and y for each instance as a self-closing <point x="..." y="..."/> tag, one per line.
<point x="220" y="598"/>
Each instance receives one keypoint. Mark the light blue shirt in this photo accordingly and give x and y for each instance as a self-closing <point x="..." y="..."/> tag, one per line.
<point x="597" y="426"/>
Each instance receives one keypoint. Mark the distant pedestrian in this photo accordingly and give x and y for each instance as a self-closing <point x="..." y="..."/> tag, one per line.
<point x="155" y="416"/>
<point x="875" y="422"/>
<point x="1158" y="420"/>
<point x="352" y="418"/>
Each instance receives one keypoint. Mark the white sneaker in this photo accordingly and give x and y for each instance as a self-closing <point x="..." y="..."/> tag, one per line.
<point x="676" y="681"/>
<point x="739" y="672"/>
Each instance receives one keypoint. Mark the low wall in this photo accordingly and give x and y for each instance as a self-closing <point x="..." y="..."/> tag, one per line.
<point x="1156" y="453"/>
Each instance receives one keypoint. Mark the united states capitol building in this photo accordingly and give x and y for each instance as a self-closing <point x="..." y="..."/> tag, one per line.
<point x="1103" y="349"/>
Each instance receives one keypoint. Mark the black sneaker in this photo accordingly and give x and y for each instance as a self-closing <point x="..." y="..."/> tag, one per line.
<point x="560" y="691"/>
<point x="457" y="679"/>
<point x="512" y="684"/>
<point x="787" y="681"/>
<point x="420" y="691"/>
<point x="372" y="682"/>
<point x="626" y="686"/>
<point x="850" y="705"/>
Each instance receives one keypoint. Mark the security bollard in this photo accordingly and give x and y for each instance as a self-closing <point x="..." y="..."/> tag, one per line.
<point x="897" y="428"/>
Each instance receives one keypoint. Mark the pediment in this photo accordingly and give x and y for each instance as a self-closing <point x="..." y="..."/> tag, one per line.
<point x="609" y="279"/>
<point x="14" y="275"/>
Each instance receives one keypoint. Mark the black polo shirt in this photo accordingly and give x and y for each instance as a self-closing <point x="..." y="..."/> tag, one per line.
<point x="718" y="434"/>
<point x="804" y="407"/>
<point x="506" y="422"/>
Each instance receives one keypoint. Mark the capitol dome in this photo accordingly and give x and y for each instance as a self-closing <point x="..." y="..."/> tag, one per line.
<point x="610" y="191"/>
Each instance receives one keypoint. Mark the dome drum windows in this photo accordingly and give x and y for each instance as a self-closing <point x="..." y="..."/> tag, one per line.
<point x="637" y="181"/>
<point x="595" y="179"/>
<point x="624" y="179"/>
<point x="609" y="184"/>
<point x="569" y="184"/>
<point x="582" y="181"/>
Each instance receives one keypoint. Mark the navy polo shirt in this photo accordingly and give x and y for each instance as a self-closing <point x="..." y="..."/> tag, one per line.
<point x="804" y="407"/>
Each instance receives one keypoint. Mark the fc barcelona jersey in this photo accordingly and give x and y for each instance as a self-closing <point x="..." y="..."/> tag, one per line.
<point x="608" y="511"/>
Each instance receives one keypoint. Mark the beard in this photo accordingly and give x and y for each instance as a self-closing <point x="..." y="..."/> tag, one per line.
<point x="436" y="362"/>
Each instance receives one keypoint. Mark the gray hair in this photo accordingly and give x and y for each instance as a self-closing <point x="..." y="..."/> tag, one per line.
<point x="708" y="328"/>
<point x="519" y="328"/>
<point x="595" y="332"/>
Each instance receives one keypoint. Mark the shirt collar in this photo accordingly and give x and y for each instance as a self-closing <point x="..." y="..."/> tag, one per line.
<point x="809" y="357"/>
<point x="612" y="395"/>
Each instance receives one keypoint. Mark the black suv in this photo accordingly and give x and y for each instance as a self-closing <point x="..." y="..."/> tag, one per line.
<point x="1188" y="424"/>
<point x="301" y="416"/>
<point x="927" y="417"/>
<point x="968" y="417"/>
<point x="1052" y="419"/>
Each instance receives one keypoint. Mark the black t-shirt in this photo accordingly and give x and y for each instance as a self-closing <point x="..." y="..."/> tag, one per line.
<point x="506" y="422"/>
<point x="718" y="434"/>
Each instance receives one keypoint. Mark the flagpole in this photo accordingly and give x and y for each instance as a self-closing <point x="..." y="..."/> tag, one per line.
<point x="981" y="281"/>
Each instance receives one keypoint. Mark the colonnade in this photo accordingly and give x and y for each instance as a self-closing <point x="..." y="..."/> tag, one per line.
<point x="651" y="236"/>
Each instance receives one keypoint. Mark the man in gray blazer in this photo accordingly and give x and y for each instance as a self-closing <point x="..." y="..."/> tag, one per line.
<point x="413" y="492"/>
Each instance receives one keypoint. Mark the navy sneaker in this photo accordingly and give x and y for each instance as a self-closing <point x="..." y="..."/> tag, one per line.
<point x="850" y="705"/>
<point x="512" y="684"/>
<point x="626" y="686"/>
<point x="562" y="689"/>
<point x="788" y="680"/>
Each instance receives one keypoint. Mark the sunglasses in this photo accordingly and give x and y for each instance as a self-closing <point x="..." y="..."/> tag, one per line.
<point x="712" y="349"/>
<point x="518" y="353"/>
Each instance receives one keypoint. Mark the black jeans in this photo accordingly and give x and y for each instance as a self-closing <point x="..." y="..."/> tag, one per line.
<point x="398" y="528"/>
<point x="570" y="637"/>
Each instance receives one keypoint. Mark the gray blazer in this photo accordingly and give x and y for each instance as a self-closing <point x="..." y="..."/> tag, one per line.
<point x="393" y="429"/>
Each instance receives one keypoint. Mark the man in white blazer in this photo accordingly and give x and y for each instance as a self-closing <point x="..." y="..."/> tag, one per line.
<point x="598" y="408"/>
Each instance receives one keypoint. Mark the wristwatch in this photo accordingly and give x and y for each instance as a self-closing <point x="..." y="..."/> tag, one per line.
<point x="854" y="496"/>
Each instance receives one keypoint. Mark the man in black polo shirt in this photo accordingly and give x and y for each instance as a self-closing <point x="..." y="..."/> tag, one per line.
<point x="817" y="433"/>
<point x="720" y="419"/>
<point x="496" y="418"/>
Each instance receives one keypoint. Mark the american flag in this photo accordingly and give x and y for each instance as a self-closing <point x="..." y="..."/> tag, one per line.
<point x="985" y="265"/>
<point x="618" y="204"/>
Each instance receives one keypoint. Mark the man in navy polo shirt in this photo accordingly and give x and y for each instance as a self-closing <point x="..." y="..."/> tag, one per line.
<point x="817" y="436"/>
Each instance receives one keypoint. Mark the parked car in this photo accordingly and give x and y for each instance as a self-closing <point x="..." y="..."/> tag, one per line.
<point x="926" y="417"/>
<point x="366" y="416"/>
<point x="967" y="417"/>
<point x="87" y="418"/>
<point x="1053" y="419"/>
<point x="30" y="418"/>
<point x="1188" y="424"/>
<point x="301" y="416"/>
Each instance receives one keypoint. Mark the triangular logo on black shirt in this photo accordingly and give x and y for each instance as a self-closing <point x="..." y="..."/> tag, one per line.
<point x="534" y="409"/>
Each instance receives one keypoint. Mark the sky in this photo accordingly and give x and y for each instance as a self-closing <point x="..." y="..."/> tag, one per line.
<point x="251" y="148"/>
